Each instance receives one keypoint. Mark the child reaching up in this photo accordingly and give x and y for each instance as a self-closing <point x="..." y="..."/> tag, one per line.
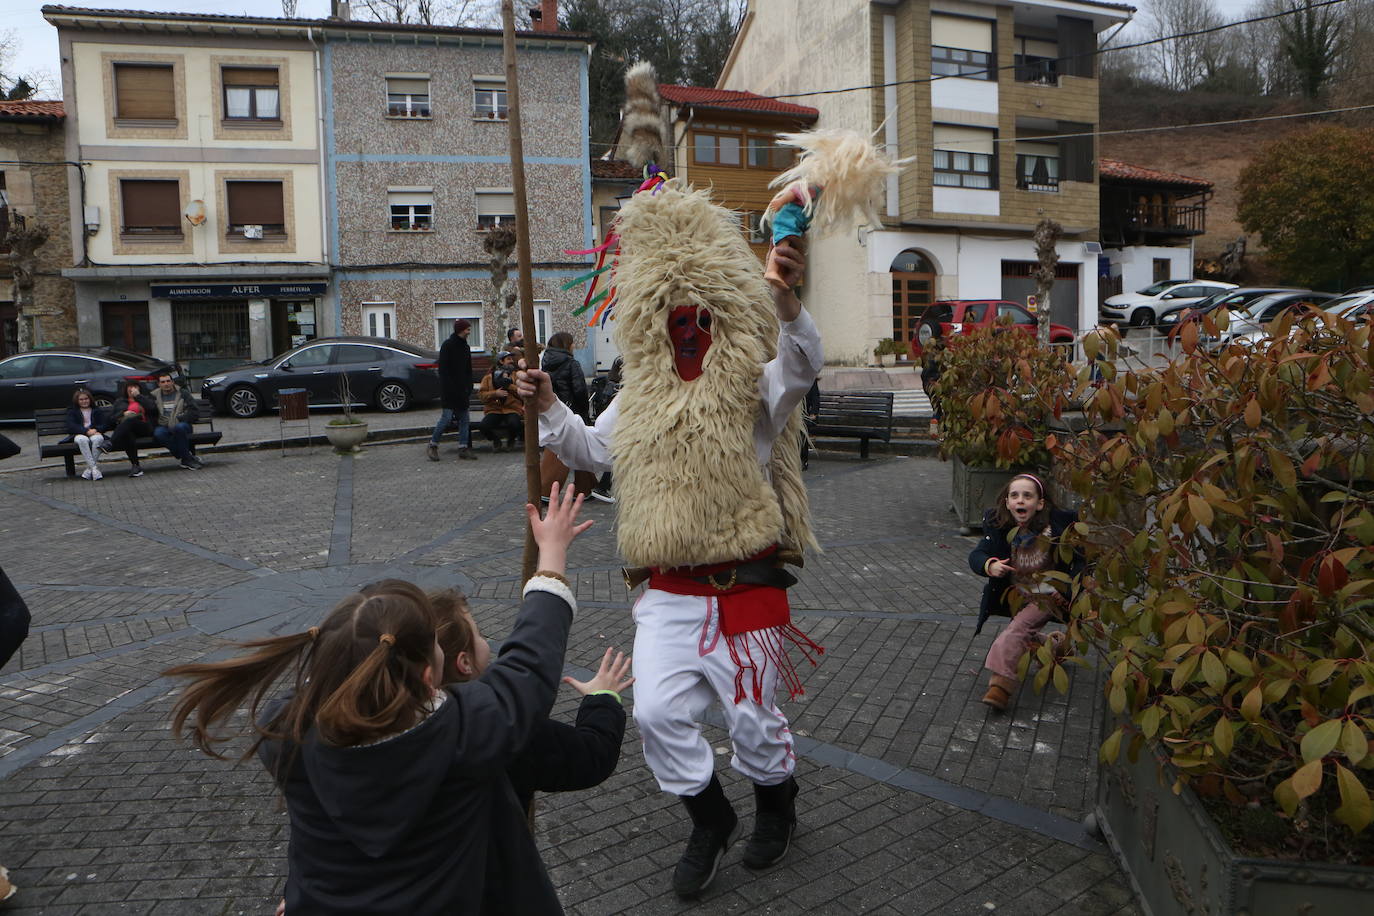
<point x="397" y="788"/>
<point x="1020" y="541"/>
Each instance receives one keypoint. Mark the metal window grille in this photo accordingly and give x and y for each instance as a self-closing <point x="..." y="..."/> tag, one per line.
<point x="1037" y="173"/>
<point x="211" y="330"/>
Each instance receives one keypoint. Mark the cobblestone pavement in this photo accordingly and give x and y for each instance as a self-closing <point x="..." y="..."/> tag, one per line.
<point x="913" y="801"/>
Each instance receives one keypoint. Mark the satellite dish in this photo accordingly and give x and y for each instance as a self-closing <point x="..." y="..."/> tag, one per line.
<point x="195" y="212"/>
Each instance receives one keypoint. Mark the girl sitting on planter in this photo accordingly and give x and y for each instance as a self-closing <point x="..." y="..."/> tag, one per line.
<point x="1020" y="541"/>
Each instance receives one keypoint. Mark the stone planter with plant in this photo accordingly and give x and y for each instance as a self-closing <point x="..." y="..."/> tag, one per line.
<point x="1229" y="532"/>
<point x="346" y="432"/>
<point x="888" y="351"/>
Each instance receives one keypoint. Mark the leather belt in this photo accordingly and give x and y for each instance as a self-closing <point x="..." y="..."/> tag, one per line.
<point x="766" y="572"/>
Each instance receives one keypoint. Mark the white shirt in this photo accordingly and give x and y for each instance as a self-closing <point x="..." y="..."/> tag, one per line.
<point x="785" y="380"/>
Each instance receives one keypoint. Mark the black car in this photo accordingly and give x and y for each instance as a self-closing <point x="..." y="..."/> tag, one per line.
<point x="41" y="379"/>
<point x="1232" y="299"/>
<point x="388" y="373"/>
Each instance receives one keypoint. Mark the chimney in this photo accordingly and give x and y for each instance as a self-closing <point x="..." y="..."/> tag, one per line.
<point x="339" y="10"/>
<point x="544" y="18"/>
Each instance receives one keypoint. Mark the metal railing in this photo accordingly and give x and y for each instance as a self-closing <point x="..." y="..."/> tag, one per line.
<point x="1165" y="218"/>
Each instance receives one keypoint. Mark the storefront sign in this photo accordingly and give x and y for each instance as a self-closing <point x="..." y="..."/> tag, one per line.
<point x="240" y="291"/>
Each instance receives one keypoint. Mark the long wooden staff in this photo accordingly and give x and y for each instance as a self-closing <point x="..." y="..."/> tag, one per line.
<point x="525" y="279"/>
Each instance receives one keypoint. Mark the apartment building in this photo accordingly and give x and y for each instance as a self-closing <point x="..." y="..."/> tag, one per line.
<point x="995" y="101"/>
<point x="33" y="190"/>
<point x="201" y="215"/>
<point x="418" y="168"/>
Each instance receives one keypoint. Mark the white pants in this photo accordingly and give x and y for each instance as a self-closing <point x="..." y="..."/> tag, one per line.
<point x="89" y="446"/>
<point x="681" y="664"/>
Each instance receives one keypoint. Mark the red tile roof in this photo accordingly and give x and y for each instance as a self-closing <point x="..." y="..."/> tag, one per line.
<point x="1124" y="171"/>
<point x="30" y="110"/>
<point x="615" y="169"/>
<point x="733" y="100"/>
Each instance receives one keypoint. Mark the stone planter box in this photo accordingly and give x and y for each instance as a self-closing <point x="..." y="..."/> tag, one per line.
<point x="346" y="438"/>
<point x="1179" y="863"/>
<point x="977" y="488"/>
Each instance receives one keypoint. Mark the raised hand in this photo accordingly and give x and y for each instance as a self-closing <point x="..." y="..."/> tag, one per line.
<point x="614" y="674"/>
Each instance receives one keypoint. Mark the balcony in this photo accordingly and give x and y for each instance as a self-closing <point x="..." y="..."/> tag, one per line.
<point x="1037" y="173"/>
<point x="1165" y="219"/>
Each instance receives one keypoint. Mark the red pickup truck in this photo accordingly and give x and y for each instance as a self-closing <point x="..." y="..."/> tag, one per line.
<point x="963" y="316"/>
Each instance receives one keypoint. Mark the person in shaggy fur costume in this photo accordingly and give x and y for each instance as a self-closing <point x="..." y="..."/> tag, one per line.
<point x="716" y="364"/>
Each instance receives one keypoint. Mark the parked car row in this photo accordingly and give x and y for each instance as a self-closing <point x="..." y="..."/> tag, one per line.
<point x="1145" y="308"/>
<point x="388" y="374"/>
<point x="963" y="316"/>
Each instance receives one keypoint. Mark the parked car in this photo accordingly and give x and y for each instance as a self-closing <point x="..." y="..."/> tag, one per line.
<point x="42" y="379"/>
<point x="387" y="373"/>
<point x="1248" y="323"/>
<point x="1143" y="308"/>
<point x="963" y="316"/>
<point x="1232" y="299"/>
<point x="1351" y="306"/>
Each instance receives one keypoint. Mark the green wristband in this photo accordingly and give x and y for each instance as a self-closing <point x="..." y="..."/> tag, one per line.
<point x="612" y="693"/>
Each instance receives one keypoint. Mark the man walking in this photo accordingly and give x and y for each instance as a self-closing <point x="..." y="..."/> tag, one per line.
<point x="176" y="412"/>
<point x="455" y="388"/>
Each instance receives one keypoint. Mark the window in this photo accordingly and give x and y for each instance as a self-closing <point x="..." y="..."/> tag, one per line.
<point x="1037" y="166"/>
<point x="407" y="96"/>
<point x="70" y="365"/>
<point x="19" y="367"/>
<point x="964" y="157"/>
<point x="150" y="207"/>
<point x="753" y="228"/>
<point x="412" y="210"/>
<point x="379" y="319"/>
<point x="541" y="319"/>
<point x="961" y="46"/>
<point x="1018" y="314"/>
<point x="1161" y="268"/>
<point x="359" y="353"/>
<point x="145" y="92"/>
<point x="1036" y="60"/>
<point x="251" y="93"/>
<point x="495" y="206"/>
<point x="446" y="313"/>
<point x="311" y="356"/>
<point x="255" y="203"/>
<point x="716" y="149"/>
<point x="489" y="97"/>
<point x="764" y="153"/>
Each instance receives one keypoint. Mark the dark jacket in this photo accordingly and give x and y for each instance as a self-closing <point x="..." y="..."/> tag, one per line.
<point x="455" y="373"/>
<point x="121" y="405"/>
<point x="427" y="821"/>
<point x="996" y="542"/>
<point x="14" y="620"/>
<point x="566" y="758"/>
<point x="184" y="409"/>
<point x="604" y="388"/>
<point x="569" y="384"/>
<point x="100" y="419"/>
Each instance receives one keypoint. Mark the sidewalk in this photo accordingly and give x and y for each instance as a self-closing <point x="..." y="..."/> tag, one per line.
<point x="914" y="799"/>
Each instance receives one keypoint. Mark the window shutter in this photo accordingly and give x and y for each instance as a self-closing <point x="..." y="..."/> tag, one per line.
<point x="145" y="91"/>
<point x="964" y="139"/>
<point x="1077" y="44"/>
<point x="150" y="204"/>
<point x="255" y="203"/>
<point x="407" y="86"/>
<point x="961" y="32"/>
<point x="412" y="196"/>
<point x="495" y="203"/>
<point x="250" y="76"/>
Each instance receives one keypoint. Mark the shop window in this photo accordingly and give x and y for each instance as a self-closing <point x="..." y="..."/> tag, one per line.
<point x="446" y="313"/>
<point x="251" y="93"/>
<point x="495" y="207"/>
<point x="145" y="92"/>
<point x="379" y="319"/>
<point x="150" y="208"/>
<point x="407" y="96"/>
<point x="412" y="209"/>
<point x="255" y="208"/>
<point x="210" y="335"/>
<point x="489" y="98"/>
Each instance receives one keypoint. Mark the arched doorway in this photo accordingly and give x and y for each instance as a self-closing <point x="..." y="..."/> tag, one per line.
<point x="913" y="290"/>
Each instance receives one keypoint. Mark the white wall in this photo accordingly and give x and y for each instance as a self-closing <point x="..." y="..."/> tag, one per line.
<point x="1135" y="264"/>
<point x="965" y="200"/>
<point x="964" y="95"/>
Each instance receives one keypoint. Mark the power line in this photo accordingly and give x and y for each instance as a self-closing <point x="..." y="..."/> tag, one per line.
<point x="1139" y="44"/>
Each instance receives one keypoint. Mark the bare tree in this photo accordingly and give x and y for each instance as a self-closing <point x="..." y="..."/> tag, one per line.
<point x="288" y="9"/>
<point x="24" y="240"/>
<point x="482" y="13"/>
<point x="1183" y="63"/>
<point x="1046" y="237"/>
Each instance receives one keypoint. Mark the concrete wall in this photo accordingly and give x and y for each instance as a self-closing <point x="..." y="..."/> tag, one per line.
<point x="1135" y="264"/>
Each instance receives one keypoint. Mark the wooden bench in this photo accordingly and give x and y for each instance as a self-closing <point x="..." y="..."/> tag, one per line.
<point x="861" y="415"/>
<point x="52" y="424"/>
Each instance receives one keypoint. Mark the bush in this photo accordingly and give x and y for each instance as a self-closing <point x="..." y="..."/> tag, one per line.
<point x="997" y="390"/>
<point x="889" y="347"/>
<point x="1230" y="534"/>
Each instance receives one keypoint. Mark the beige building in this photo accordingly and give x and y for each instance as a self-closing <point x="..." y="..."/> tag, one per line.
<point x="201" y="217"/>
<point x="996" y="103"/>
<point x="34" y="176"/>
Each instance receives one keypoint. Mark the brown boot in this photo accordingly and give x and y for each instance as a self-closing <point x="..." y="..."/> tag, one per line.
<point x="1000" y="691"/>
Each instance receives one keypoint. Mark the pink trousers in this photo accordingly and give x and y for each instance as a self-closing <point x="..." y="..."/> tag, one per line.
<point x="1014" y="639"/>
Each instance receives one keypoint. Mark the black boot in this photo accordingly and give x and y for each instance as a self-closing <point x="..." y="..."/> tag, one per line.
<point x="714" y="828"/>
<point x="774" y="823"/>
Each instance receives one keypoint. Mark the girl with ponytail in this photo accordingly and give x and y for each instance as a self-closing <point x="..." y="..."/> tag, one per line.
<point x="396" y="785"/>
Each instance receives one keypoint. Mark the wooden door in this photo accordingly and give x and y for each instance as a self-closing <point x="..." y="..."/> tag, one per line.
<point x="125" y="324"/>
<point x="912" y="294"/>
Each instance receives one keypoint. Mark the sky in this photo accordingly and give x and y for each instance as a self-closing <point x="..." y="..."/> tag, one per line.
<point x="36" y="41"/>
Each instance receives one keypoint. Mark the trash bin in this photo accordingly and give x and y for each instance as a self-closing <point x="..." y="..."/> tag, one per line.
<point x="294" y="403"/>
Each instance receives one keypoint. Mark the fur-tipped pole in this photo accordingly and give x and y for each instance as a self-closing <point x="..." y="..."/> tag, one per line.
<point x="846" y="166"/>
<point x="526" y="282"/>
<point x="642" y="127"/>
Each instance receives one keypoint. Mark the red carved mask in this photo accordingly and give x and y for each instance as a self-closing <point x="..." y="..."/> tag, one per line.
<point x="689" y="328"/>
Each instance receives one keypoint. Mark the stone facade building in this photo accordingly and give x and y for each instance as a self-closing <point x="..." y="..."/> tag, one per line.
<point x="417" y="165"/>
<point x="34" y="177"/>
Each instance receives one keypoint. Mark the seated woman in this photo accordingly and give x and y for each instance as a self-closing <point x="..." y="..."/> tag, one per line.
<point x="84" y="424"/>
<point x="503" y="413"/>
<point x="134" y="414"/>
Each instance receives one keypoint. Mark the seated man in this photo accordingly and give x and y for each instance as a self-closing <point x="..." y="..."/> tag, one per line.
<point x="176" y="411"/>
<point x="503" y="411"/>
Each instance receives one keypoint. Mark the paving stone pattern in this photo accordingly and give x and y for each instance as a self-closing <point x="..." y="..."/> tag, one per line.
<point x="914" y="799"/>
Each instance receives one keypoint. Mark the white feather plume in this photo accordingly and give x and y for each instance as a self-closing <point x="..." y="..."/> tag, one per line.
<point x="847" y="166"/>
